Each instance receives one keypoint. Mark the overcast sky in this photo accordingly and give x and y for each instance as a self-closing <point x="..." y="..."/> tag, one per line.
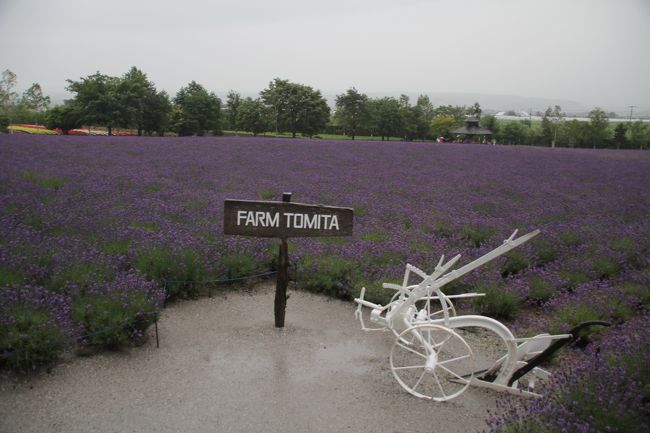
<point x="596" y="52"/>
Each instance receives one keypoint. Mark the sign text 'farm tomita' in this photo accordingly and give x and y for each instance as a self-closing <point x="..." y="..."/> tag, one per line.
<point x="283" y="219"/>
<point x="277" y="219"/>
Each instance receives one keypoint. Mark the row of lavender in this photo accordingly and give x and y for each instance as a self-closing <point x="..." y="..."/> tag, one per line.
<point x="92" y="227"/>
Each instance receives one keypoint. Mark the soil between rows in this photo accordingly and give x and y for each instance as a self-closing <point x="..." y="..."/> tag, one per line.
<point x="223" y="367"/>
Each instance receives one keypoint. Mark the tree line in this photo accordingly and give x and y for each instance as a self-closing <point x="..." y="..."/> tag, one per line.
<point x="132" y="101"/>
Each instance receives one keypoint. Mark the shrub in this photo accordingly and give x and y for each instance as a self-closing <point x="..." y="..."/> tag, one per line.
<point x="178" y="272"/>
<point x="35" y="326"/>
<point x="605" y="267"/>
<point x="329" y="275"/>
<point x="516" y="261"/>
<point x="239" y="265"/>
<point x="497" y="303"/>
<point x="607" y="390"/>
<point x="476" y="235"/>
<point x="545" y="251"/>
<point x="540" y="289"/>
<point x="118" y="312"/>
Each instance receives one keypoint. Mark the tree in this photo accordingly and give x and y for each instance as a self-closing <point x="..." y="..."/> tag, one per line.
<point x="197" y="111"/>
<point x="253" y="116"/>
<point x="7" y="95"/>
<point x="619" y="135"/>
<point x="156" y="117"/>
<point x="441" y="126"/>
<point x="547" y="127"/>
<point x="475" y="110"/>
<point x="33" y="99"/>
<point x="490" y="122"/>
<point x="638" y="134"/>
<point x="351" y="111"/>
<point x="139" y="100"/>
<point x="295" y="107"/>
<point x="98" y="100"/>
<point x="576" y="134"/>
<point x="424" y="113"/>
<point x="455" y="111"/>
<point x="233" y="101"/>
<point x="513" y="132"/>
<point x="598" y="127"/>
<point x="65" y="117"/>
<point x="408" y="119"/>
<point x="386" y="117"/>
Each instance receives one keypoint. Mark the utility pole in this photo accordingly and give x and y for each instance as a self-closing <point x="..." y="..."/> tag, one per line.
<point x="632" y="107"/>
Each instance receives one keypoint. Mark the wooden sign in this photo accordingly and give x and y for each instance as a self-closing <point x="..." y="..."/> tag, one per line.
<point x="283" y="219"/>
<point x="280" y="219"/>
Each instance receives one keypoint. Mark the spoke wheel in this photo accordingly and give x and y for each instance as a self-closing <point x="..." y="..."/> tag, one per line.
<point x="432" y="362"/>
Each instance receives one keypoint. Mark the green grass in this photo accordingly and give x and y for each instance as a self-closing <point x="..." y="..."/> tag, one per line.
<point x="116" y="247"/>
<point x="10" y="277"/>
<point x="145" y="225"/>
<point x="267" y="194"/>
<point x="42" y="180"/>
<point x="375" y="236"/>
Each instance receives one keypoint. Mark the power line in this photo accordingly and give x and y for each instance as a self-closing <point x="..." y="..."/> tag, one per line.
<point x="632" y="107"/>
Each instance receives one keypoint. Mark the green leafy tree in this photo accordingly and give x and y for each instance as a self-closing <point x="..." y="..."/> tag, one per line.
<point x="33" y="99"/>
<point x="475" y="110"/>
<point x="97" y="97"/>
<point x="7" y="94"/>
<point x="441" y="126"/>
<point x="620" y="138"/>
<point x="351" y="111"/>
<point x="455" y="111"/>
<point x="156" y="117"/>
<point x="386" y="117"/>
<point x="424" y="113"/>
<point x="598" y="127"/>
<point x="638" y="135"/>
<point x="408" y="118"/>
<point x="295" y="107"/>
<point x="547" y="127"/>
<point x="490" y="122"/>
<point x="512" y="132"/>
<point x="65" y="117"/>
<point x="576" y="134"/>
<point x="253" y="116"/>
<point x="233" y="102"/>
<point x="197" y="110"/>
<point x="138" y="99"/>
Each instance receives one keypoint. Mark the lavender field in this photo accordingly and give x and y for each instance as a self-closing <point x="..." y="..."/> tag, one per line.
<point x="94" y="227"/>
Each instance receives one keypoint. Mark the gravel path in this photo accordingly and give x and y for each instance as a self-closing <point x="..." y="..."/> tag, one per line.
<point x="223" y="367"/>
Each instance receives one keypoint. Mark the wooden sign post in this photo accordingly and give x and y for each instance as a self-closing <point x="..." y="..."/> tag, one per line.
<point x="283" y="219"/>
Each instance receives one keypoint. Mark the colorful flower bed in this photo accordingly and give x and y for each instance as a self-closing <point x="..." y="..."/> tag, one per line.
<point x="30" y="129"/>
<point x="86" y="131"/>
<point x="90" y="210"/>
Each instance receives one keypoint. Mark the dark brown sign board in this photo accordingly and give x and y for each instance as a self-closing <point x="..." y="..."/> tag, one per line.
<point x="283" y="219"/>
<point x="278" y="219"/>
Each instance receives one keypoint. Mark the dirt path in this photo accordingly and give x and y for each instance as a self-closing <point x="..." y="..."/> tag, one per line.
<point x="223" y="367"/>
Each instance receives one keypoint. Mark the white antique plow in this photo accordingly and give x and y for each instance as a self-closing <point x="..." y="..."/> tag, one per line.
<point x="431" y="358"/>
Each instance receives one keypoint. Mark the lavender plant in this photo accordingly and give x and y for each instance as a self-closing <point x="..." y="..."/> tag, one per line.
<point x="79" y="213"/>
<point x="35" y="326"/>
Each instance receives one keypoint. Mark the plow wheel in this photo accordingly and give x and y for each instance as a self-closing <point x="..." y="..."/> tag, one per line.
<point x="432" y="362"/>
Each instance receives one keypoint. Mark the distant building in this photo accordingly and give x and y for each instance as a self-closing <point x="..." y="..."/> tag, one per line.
<point x="471" y="132"/>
